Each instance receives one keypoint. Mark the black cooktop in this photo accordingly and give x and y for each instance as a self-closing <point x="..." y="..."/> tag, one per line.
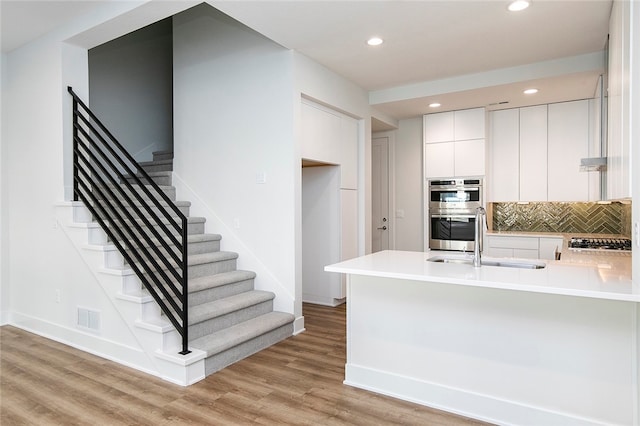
<point x="600" y="243"/>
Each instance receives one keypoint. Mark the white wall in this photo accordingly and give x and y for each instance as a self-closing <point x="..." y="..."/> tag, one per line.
<point x="409" y="230"/>
<point x="233" y="111"/>
<point x="130" y="82"/>
<point x="4" y="223"/>
<point x="43" y="277"/>
<point x="41" y="261"/>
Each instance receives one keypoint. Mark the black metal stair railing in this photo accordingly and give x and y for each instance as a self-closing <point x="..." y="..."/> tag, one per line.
<point x="140" y="219"/>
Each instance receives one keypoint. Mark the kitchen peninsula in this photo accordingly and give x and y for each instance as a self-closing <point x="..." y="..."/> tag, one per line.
<point x="550" y="346"/>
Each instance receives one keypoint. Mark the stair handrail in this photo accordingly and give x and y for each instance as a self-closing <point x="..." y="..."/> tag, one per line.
<point x="95" y="183"/>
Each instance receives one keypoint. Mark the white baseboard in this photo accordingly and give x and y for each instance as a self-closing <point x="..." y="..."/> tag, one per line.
<point x="298" y="325"/>
<point x="125" y="355"/>
<point x="458" y="401"/>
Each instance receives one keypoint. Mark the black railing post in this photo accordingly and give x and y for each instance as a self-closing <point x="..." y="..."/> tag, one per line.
<point x="75" y="145"/>
<point x="185" y="292"/>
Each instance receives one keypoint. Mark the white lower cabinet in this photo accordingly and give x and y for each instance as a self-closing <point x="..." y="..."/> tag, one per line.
<point x="549" y="246"/>
<point x="503" y="246"/>
<point x="522" y="247"/>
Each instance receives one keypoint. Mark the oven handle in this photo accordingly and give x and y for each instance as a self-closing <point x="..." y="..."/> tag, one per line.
<point x="453" y="188"/>
<point x="453" y="217"/>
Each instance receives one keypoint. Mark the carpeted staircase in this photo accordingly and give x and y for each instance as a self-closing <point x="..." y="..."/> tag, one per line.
<point x="228" y="319"/>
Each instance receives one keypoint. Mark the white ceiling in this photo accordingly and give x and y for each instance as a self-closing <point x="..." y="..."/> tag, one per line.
<point x="457" y="52"/>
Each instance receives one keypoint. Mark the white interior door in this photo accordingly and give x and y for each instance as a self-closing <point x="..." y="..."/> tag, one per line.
<point x="380" y="193"/>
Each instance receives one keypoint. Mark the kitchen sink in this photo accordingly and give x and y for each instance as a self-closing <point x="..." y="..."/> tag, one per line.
<point x="503" y="263"/>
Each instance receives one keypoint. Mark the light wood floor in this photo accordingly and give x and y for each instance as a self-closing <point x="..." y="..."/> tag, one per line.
<point x="296" y="382"/>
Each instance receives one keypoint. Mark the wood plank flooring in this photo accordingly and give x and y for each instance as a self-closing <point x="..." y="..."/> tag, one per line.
<point x="295" y="382"/>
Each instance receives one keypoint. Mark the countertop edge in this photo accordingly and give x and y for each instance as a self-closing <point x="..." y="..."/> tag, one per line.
<point x="351" y="267"/>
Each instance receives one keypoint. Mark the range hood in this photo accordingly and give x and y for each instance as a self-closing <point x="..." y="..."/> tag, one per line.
<point x="593" y="164"/>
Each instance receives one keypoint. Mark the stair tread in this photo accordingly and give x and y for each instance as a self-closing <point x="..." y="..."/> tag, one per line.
<point x="163" y="203"/>
<point x="220" y="307"/>
<point x="215" y="256"/>
<point x="125" y="186"/>
<point x="198" y="259"/>
<point x="156" y="162"/>
<point x="194" y="238"/>
<point x="225" y="339"/>
<point x="217" y="280"/>
<point x="190" y="220"/>
<point x="161" y="173"/>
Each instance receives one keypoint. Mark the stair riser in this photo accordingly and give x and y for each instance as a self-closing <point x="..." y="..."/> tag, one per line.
<point x="160" y="156"/>
<point x="210" y="268"/>
<point x="220" y="360"/>
<point x="220" y="292"/>
<point x="159" y="180"/>
<point x="183" y="209"/>
<point x="196" y="271"/>
<point x="202" y="247"/>
<point x="224" y="321"/>
<point x="193" y="248"/>
<point x="169" y="191"/>
<point x="192" y="229"/>
<point x="150" y="168"/>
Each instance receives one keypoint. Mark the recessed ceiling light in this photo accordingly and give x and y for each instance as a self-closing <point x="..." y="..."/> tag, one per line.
<point x="530" y="91"/>
<point x="374" y="41"/>
<point x="518" y="5"/>
<point x="434" y="105"/>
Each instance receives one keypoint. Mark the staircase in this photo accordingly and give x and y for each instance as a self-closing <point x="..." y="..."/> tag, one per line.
<point x="228" y="319"/>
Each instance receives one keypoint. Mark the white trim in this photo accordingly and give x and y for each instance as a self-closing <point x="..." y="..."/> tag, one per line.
<point x="469" y="404"/>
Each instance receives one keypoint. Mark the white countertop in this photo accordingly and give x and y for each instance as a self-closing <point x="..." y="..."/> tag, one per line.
<point x="600" y="277"/>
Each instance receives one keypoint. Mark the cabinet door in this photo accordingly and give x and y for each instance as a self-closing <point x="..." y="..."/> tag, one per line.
<point x="439" y="160"/>
<point x="438" y="127"/>
<point x="525" y="253"/>
<point x="533" y="153"/>
<point x="621" y="43"/>
<point x="503" y="173"/>
<point x="469" y="158"/>
<point x="548" y="247"/>
<point x="568" y="141"/>
<point x="469" y="124"/>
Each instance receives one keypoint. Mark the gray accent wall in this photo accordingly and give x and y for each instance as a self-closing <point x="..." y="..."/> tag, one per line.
<point x="131" y="88"/>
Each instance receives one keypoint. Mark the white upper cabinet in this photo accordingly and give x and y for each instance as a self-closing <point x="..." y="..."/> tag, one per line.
<point x="533" y="153"/>
<point x="567" y="143"/>
<point x="504" y="154"/>
<point x="468" y="124"/>
<point x="438" y="127"/>
<point x="439" y="160"/>
<point x="468" y="157"/>
<point x="454" y="144"/>
<point x="331" y="137"/>
<point x="619" y="111"/>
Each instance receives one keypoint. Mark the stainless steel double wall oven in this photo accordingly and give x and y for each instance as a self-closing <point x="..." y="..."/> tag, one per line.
<point x="452" y="210"/>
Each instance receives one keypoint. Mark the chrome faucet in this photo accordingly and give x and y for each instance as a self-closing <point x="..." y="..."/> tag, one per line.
<point x="477" y="247"/>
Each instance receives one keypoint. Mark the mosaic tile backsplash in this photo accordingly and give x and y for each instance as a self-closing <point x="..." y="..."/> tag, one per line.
<point x="589" y="218"/>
